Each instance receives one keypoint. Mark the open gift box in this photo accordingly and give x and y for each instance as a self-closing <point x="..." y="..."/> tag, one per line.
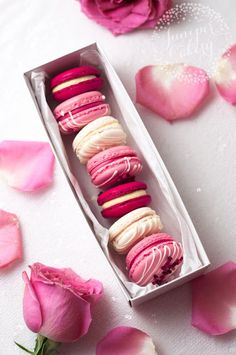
<point x="165" y="198"/>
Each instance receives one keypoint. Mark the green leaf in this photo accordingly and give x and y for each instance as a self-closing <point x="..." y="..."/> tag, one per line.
<point x="23" y="348"/>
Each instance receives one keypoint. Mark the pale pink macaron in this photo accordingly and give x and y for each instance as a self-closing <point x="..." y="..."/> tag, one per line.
<point x="113" y="165"/>
<point x="76" y="112"/>
<point x="154" y="259"/>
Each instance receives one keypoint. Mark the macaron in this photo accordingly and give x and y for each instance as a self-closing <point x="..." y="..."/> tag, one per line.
<point x="132" y="227"/>
<point x="76" y="112"/>
<point x="113" y="165"/>
<point x="75" y="81"/>
<point x="154" y="259"/>
<point x="103" y="133"/>
<point x="124" y="198"/>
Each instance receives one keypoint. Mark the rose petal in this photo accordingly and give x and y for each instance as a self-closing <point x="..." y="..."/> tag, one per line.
<point x="90" y="290"/>
<point x="27" y="166"/>
<point x="10" y="239"/>
<point x="125" y="341"/>
<point x="122" y="19"/>
<point x="124" y="16"/>
<point x="61" y="322"/>
<point x="158" y="10"/>
<point x="214" y="300"/>
<point x="173" y="91"/>
<point x="31" y="306"/>
<point x="225" y="76"/>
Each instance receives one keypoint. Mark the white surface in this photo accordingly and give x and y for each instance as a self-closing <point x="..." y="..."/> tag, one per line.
<point x="200" y="155"/>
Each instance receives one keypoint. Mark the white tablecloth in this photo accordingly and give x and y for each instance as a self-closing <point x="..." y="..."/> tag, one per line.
<point x="200" y="155"/>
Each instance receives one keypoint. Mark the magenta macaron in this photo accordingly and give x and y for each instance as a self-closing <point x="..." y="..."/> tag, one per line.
<point x="75" y="81"/>
<point x="76" y="112"/>
<point x="122" y="199"/>
<point x="113" y="165"/>
<point x="154" y="259"/>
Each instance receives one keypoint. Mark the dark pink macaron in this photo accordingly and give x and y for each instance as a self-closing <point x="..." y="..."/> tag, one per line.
<point x="154" y="259"/>
<point x="123" y="199"/>
<point x="113" y="165"/>
<point x="75" y="81"/>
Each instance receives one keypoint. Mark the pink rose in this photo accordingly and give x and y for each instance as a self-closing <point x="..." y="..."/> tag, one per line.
<point x="121" y="16"/>
<point x="57" y="302"/>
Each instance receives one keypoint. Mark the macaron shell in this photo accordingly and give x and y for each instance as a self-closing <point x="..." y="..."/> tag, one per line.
<point x="154" y="259"/>
<point x="120" y="169"/>
<point x="124" y="222"/>
<point x="74" y="73"/>
<point x="73" y="90"/>
<point x="156" y="239"/>
<point x="123" y="208"/>
<point x="74" y="123"/>
<point x="77" y="102"/>
<point x="120" y="190"/>
<point x="109" y="155"/>
<point x="138" y="230"/>
<point x="103" y="133"/>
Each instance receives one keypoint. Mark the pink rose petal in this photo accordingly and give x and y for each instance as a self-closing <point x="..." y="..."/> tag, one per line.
<point x="10" y="239"/>
<point x="125" y="341"/>
<point x="90" y="290"/>
<point x="173" y="91"/>
<point x="214" y="300"/>
<point x="26" y="166"/>
<point x="31" y="305"/>
<point x="225" y="77"/>
<point x="125" y="16"/>
<point x="57" y="302"/>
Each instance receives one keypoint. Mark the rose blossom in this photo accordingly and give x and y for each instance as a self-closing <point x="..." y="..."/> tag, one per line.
<point x="121" y="16"/>
<point x="57" y="302"/>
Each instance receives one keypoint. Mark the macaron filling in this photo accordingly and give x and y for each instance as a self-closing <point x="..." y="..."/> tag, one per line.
<point x="124" y="198"/>
<point x="72" y="82"/>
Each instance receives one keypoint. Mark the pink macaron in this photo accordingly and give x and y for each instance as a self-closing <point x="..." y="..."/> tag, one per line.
<point x="113" y="165"/>
<point x="75" y="81"/>
<point x="76" y="112"/>
<point x="154" y="259"/>
<point x="123" y="199"/>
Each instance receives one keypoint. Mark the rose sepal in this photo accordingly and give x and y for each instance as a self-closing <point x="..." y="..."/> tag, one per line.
<point x="43" y="346"/>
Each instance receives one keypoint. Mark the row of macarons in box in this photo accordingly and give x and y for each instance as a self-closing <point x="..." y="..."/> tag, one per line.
<point x="100" y="143"/>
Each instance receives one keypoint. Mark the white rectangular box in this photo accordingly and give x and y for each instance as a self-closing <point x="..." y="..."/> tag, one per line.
<point x="165" y="197"/>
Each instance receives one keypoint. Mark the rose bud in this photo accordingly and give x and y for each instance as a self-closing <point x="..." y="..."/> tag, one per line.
<point x="57" y="303"/>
